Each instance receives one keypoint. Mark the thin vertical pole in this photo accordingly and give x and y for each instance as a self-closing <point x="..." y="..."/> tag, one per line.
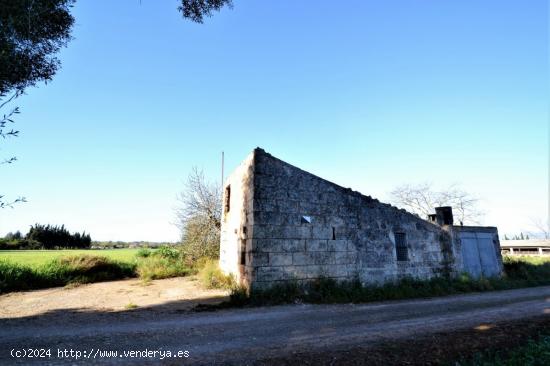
<point x="222" y="167"/>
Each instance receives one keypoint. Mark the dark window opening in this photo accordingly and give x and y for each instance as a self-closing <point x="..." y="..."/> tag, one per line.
<point x="401" y="247"/>
<point x="243" y="258"/>
<point x="333" y="233"/>
<point x="227" y="206"/>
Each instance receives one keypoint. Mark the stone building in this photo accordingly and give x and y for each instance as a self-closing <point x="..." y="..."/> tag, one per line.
<point x="281" y="223"/>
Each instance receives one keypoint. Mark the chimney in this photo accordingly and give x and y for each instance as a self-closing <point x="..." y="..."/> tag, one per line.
<point x="443" y="215"/>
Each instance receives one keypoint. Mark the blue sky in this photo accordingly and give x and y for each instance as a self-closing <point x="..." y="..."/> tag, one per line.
<point x="368" y="94"/>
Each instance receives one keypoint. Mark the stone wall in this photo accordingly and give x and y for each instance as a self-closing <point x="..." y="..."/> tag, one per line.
<point x="237" y="219"/>
<point x="292" y="225"/>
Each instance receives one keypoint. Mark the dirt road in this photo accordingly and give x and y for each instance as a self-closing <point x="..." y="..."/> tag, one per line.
<point x="243" y="336"/>
<point x="182" y="292"/>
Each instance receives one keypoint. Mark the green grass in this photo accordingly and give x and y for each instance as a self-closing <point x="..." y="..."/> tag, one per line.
<point x="528" y="259"/>
<point x="62" y="271"/>
<point x="35" y="269"/>
<point x="534" y="353"/>
<point x="35" y="258"/>
<point x="156" y="267"/>
<point x="211" y="276"/>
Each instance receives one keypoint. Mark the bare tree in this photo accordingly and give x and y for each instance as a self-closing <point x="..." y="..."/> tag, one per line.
<point x="422" y="199"/>
<point x="542" y="227"/>
<point x="199" y="216"/>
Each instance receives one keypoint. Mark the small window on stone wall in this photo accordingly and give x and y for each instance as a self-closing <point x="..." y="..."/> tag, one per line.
<point x="401" y="247"/>
<point x="227" y="205"/>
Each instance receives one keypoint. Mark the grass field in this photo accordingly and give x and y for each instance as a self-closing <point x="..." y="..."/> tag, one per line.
<point x="35" y="258"/>
<point x="34" y="269"/>
<point x="530" y="259"/>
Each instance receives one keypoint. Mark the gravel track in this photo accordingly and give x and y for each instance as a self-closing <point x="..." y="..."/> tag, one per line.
<point x="242" y="336"/>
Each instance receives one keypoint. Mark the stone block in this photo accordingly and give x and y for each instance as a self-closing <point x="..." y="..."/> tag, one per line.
<point x="372" y="259"/>
<point x="314" y="245"/>
<point x="297" y="272"/>
<point x="269" y="218"/>
<point x="280" y="259"/>
<point x="261" y="231"/>
<point x="345" y="257"/>
<point x="271" y="274"/>
<point x="257" y="259"/>
<point x="316" y="271"/>
<point x="337" y="245"/>
<point x="306" y="232"/>
<point x="321" y="232"/>
<point x="280" y="245"/>
<point x="343" y="271"/>
<point x="302" y="259"/>
<point x="322" y="257"/>
<point x="351" y="246"/>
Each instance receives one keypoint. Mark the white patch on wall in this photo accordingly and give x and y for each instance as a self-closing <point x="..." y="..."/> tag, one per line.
<point x="306" y="219"/>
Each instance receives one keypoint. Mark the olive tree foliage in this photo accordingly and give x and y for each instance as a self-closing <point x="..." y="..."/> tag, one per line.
<point x="196" y="10"/>
<point x="199" y="216"/>
<point x="31" y="33"/>
<point x="422" y="199"/>
<point x="7" y="113"/>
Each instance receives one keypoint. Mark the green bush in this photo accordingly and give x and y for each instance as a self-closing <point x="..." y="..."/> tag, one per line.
<point x="156" y="267"/>
<point x="531" y="270"/>
<point x="162" y="263"/>
<point x="211" y="276"/>
<point x="144" y="252"/>
<point x="168" y="252"/>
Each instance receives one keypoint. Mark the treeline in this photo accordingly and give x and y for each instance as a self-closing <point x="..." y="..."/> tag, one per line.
<point x="46" y="237"/>
<point x="517" y="237"/>
<point x="129" y="244"/>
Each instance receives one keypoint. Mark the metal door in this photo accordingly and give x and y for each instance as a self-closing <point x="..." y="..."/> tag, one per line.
<point x="478" y="254"/>
<point x="470" y="254"/>
<point x="487" y="255"/>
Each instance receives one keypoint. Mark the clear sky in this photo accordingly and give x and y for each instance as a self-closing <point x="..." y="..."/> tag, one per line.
<point x="367" y="94"/>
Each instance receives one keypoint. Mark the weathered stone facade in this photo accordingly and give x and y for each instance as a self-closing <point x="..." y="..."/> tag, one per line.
<point x="281" y="223"/>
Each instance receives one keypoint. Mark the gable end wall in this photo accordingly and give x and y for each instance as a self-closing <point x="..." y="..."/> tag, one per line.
<point x="350" y="235"/>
